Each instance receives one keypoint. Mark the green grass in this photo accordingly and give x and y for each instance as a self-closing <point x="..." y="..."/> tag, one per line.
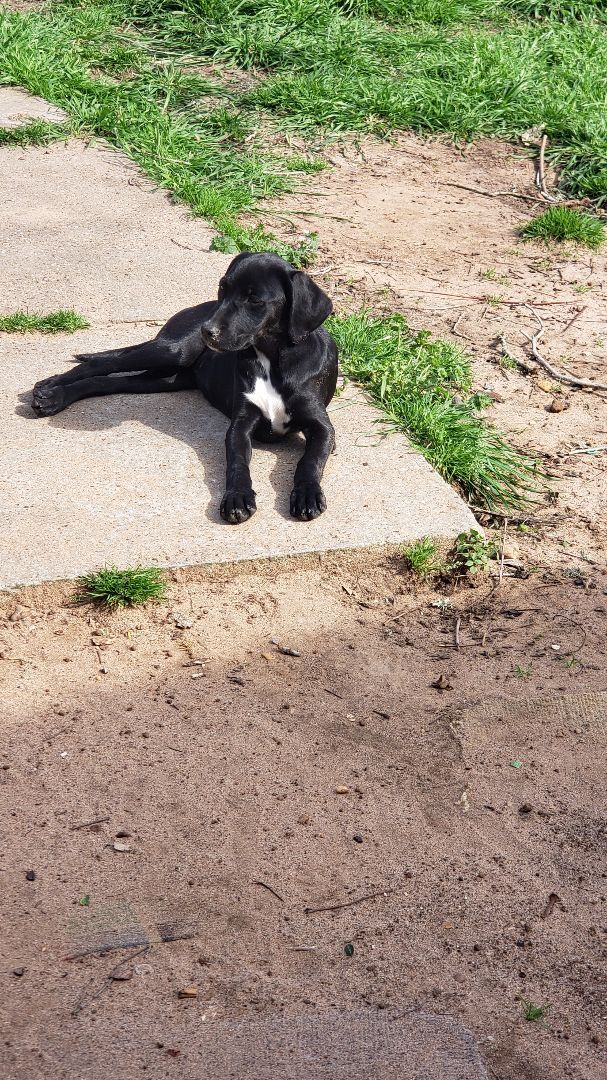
<point x="56" y="322"/>
<point x="36" y="133"/>
<point x="422" y="557"/>
<point x="562" y="223"/>
<point x="113" y="588"/>
<point x="125" y="70"/>
<point x="532" y="1012"/>
<point x="424" y="388"/>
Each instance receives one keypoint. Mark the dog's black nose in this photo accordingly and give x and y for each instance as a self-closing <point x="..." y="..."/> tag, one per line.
<point x="210" y="334"/>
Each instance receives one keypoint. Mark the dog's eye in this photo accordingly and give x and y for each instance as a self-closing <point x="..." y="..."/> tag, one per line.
<point x="254" y="302"/>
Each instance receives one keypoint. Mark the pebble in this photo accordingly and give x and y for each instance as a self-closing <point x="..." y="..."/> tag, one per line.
<point x="357" y="838"/>
<point x="18" y="614"/>
<point x="122" y="975"/>
<point x="30" y="875"/>
<point x="188" y="992"/>
<point x="119" y="846"/>
<point x="182" y="622"/>
<point x="342" y="789"/>
<point x="526" y="808"/>
<point x="19" y="972"/>
<point x="558" y="404"/>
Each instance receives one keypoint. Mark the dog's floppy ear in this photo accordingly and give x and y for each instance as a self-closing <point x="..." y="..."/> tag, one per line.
<point x="309" y="306"/>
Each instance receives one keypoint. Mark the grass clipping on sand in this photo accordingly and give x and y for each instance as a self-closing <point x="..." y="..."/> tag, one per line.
<point x="424" y="388"/>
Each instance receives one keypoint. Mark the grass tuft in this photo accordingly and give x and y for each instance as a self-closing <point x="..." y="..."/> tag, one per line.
<point x="421" y="557"/>
<point x="532" y="1012"/>
<point x="563" y="223"/>
<point x="36" y="133"/>
<point x="424" y="388"/>
<point x="113" y="588"/>
<point x="57" y="322"/>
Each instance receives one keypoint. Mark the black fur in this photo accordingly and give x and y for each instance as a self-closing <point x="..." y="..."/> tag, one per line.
<point x="265" y="311"/>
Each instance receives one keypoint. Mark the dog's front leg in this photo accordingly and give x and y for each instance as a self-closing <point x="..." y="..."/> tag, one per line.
<point x="238" y="503"/>
<point x="307" y="498"/>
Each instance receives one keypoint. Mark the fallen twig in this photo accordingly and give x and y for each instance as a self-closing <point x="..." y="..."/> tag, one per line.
<point x="460" y="333"/>
<point x="540" y="174"/>
<point x="95" y="821"/>
<point x="348" y="903"/>
<point x="270" y="890"/>
<point x="83" y="1002"/>
<point x="503" y="550"/>
<point x="579" y="312"/>
<point x="458" y="623"/>
<point x="570" y="380"/>
<point x="490" y="194"/>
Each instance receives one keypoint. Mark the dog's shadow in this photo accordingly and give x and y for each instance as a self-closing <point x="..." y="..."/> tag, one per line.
<point x="187" y="417"/>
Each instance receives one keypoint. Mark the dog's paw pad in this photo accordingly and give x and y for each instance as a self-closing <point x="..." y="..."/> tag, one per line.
<point x="238" y="506"/>
<point x="48" y="400"/>
<point x="308" y="502"/>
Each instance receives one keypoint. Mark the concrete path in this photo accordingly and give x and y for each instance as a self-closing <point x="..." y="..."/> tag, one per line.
<point x="138" y="479"/>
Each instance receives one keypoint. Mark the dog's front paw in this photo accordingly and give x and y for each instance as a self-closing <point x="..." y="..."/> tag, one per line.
<point x="237" y="506"/>
<point x="308" y="502"/>
<point x="48" y="399"/>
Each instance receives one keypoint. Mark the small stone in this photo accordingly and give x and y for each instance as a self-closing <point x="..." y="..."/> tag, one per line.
<point x="122" y="975"/>
<point x="182" y="622"/>
<point x="342" y="789"/>
<point x="442" y="683"/>
<point x="18" y="614"/>
<point x="30" y="875"/>
<point x="188" y="992"/>
<point x="119" y="846"/>
<point x="558" y="404"/>
<point x="268" y="656"/>
<point x="525" y="808"/>
<point x="19" y="972"/>
<point x="287" y="651"/>
<point x="303" y="819"/>
<point x="357" y="838"/>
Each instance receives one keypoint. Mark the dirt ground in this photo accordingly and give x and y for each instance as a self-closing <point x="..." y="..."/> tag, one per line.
<point x="243" y="784"/>
<point x="398" y="233"/>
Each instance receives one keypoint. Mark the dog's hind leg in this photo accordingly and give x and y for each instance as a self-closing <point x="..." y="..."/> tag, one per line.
<point x="49" y="400"/>
<point x="152" y="355"/>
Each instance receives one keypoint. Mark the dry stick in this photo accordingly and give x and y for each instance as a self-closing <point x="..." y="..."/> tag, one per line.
<point x="83" y="1002"/>
<point x="458" y="623"/>
<point x="570" y="380"/>
<point x="579" y="312"/>
<point x="490" y="194"/>
<point x="270" y="890"/>
<point x="503" y="551"/>
<point x="540" y="176"/>
<point x="348" y="903"/>
<point x="95" y="821"/>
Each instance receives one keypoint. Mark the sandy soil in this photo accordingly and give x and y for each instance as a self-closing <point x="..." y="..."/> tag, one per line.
<point x="224" y="774"/>
<point x="397" y="232"/>
<point x="219" y="761"/>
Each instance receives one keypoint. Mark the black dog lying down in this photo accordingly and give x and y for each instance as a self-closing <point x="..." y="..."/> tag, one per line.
<point x="258" y="354"/>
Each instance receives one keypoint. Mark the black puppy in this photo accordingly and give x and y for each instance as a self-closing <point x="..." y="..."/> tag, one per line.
<point x="258" y="354"/>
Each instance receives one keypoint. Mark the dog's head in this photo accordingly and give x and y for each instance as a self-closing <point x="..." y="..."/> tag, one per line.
<point x="261" y="297"/>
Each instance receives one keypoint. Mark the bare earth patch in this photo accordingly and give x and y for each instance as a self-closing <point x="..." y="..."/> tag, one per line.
<point x="395" y="234"/>
<point x="237" y="785"/>
<point x="278" y="737"/>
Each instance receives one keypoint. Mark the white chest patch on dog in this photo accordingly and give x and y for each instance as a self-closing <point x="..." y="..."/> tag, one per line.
<point x="267" y="399"/>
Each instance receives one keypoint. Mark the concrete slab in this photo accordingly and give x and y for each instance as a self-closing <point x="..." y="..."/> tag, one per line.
<point x="17" y="108"/>
<point x="139" y="479"/>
